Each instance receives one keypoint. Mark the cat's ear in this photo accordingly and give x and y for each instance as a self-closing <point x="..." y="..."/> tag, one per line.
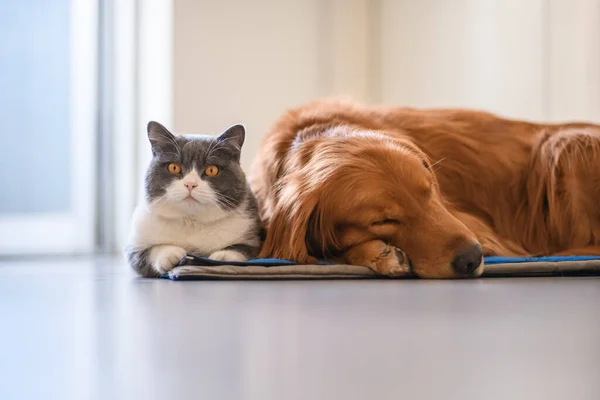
<point x="160" y="138"/>
<point x="234" y="136"/>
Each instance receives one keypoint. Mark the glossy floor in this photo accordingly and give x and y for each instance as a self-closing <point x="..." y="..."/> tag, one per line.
<point x="88" y="329"/>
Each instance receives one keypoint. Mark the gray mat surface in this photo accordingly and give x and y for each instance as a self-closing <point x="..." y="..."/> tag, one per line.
<point x="341" y="271"/>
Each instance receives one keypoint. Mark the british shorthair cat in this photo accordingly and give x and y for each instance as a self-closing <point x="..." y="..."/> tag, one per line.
<point x="197" y="200"/>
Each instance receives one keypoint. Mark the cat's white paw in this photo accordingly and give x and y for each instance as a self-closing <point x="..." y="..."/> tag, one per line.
<point x="228" y="255"/>
<point x="165" y="257"/>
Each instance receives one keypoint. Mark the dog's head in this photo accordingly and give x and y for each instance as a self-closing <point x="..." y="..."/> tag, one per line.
<point x="343" y="191"/>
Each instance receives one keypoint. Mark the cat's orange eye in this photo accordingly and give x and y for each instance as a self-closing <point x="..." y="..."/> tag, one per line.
<point x="211" y="170"/>
<point x="174" y="168"/>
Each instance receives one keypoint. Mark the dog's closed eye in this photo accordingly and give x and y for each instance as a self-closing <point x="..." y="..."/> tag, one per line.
<point x="388" y="221"/>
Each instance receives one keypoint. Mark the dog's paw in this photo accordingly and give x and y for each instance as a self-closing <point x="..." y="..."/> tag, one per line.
<point x="228" y="255"/>
<point x="392" y="262"/>
<point x="165" y="257"/>
<point x="381" y="257"/>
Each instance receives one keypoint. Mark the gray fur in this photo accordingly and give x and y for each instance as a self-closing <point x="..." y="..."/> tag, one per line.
<point x="230" y="184"/>
<point x="139" y="262"/>
<point x="251" y="208"/>
<point x="198" y="151"/>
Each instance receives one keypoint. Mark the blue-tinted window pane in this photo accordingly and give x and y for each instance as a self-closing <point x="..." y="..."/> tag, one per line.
<point x="34" y="106"/>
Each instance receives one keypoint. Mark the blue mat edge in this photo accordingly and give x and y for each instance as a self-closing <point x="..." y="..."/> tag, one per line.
<point x="488" y="260"/>
<point x="513" y="260"/>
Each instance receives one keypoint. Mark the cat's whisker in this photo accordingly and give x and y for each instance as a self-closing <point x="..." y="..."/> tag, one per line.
<point x="219" y="144"/>
<point x="178" y="156"/>
<point x="169" y="139"/>
<point x="228" y="199"/>
<point x="219" y="148"/>
<point x="212" y="144"/>
<point x="229" y="202"/>
<point x="226" y="196"/>
<point x="211" y="148"/>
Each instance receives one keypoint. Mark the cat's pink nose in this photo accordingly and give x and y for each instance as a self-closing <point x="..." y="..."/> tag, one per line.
<point x="190" y="186"/>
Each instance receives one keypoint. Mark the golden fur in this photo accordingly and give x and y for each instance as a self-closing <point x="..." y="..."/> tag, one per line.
<point x="348" y="182"/>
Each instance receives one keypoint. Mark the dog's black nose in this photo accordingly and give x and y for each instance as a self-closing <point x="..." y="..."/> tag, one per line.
<point x="467" y="261"/>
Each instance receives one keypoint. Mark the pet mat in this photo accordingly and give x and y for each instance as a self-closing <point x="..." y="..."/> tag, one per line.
<point x="192" y="267"/>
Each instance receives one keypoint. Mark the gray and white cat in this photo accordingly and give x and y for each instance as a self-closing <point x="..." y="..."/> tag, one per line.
<point x="197" y="201"/>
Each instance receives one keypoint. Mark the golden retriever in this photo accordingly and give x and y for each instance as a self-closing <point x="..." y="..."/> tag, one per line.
<point x="351" y="183"/>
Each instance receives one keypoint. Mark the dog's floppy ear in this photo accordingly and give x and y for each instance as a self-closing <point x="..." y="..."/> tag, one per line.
<point x="288" y="227"/>
<point x="296" y="230"/>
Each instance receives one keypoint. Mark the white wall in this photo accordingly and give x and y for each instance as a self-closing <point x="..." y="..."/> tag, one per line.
<point x="247" y="61"/>
<point x="574" y="59"/>
<point x="238" y="61"/>
<point x="534" y="59"/>
<point x="464" y="53"/>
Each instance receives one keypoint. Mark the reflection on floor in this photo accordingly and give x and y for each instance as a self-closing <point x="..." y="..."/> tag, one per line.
<point x="88" y="329"/>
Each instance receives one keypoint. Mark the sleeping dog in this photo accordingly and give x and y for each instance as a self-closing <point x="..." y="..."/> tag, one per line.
<point x="355" y="184"/>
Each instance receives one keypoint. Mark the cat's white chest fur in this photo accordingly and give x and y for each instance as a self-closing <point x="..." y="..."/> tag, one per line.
<point x="198" y="235"/>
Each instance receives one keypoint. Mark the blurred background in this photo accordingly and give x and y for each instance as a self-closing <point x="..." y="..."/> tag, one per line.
<point x="79" y="80"/>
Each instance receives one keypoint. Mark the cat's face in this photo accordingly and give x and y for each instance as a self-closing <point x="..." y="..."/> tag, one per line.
<point x="193" y="174"/>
